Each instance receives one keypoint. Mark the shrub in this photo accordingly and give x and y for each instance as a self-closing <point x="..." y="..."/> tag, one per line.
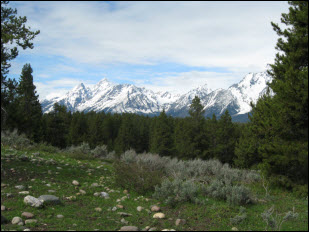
<point x="275" y="221"/>
<point x="81" y="152"/>
<point x="137" y="177"/>
<point x="47" y="148"/>
<point x="13" y="139"/>
<point x="177" y="191"/>
<point x="240" y="217"/>
<point x="100" y="152"/>
<point x="234" y="195"/>
<point x="129" y="157"/>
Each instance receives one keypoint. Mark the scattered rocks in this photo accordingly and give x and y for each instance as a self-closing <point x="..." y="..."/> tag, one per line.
<point x="3" y="208"/>
<point x="139" y="208"/>
<point x="180" y="222"/>
<point x="124" y="221"/>
<point x="60" y="216"/>
<point x="83" y="192"/>
<point x="27" y="215"/>
<point x="49" y="200"/>
<point x="30" y="221"/>
<point x="75" y="182"/>
<point x="129" y="228"/>
<point x="159" y="215"/>
<point x="122" y="214"/>
<point x="95" y="185"/>
<point x="20" y="187"/>
<point x="155" y="208"/>
<point x="120" y="206"/>
<point x="16" y="220"/>
<point x="24" y="193"/>
<point x="32" y="201"/>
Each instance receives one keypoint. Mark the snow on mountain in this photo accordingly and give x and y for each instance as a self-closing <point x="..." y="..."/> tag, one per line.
<point x="120" y="98"/>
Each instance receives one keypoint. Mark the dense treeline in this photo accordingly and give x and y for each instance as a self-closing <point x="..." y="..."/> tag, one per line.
<point x="275" y="140"/>
<point x="185" y="138"/>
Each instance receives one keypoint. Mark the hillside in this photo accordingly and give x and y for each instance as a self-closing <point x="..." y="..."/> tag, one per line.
<point x="79" y="180"/>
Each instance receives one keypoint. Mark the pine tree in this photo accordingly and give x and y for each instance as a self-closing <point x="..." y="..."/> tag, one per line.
<point x="29" y="109"/>
<point x="226" y="139"/>
<point x="162" y="138"/>
<point x="196" y="109"/>
<point x="279" y="124"/>
<point x="13" y="31"/>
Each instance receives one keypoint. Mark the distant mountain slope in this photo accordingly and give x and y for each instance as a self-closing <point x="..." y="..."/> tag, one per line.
<point x="108" y="97"/>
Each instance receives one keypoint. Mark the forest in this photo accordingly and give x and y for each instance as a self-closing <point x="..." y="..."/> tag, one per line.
<point x="275" y="140"/>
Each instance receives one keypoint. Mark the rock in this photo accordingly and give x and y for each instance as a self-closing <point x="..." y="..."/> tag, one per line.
<point x="153" y="229"/>
<point x="24" y="193"/>
<point x="26" y="229"/>
<point x="124" y="221"/>
<point x="30" y="221"/>
<point x="159" y="215"/>
<point x="96" y="194"/>
<point x="98" y="209"/>
<point x="129" y="228"/>
<point x="20" y="187"/>
<point x="120" y="206"/>
<point x="104" y="194"/>
<point x="95" y="185"/>
<point x="3" y="220"/>
<point x="122" y="214"/>
<point x="51" y="191"/>
<point x="139" y="208"/>
<point x="3" y="208"/>
<point x="75" y="182"/>
<point x="49" y="200"/>
<point x="180" y="222"/>
<point x="168" y="230"/>
<point x="27" y="215"/>
<point x="83" y="192"/>
<point x="155" y="208"/>
<point x="114" y="209"/>
<point x="16" y="220"/>
<point x="32" y="201"/>
<point x="146" y="228"/>
<point x="125" y="191"/>
<point x="60" y="216"/>
<point x="234" y="229"/>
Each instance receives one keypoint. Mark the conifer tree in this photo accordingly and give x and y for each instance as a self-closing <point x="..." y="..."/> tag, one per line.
<point x="13" y="31"/>
<point x="162" y="138"/>
<point x="280" y="123"/>
<point x="29" y="109"/>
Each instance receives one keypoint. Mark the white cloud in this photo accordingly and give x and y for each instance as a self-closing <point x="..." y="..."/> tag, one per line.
<point x="236" y="35"/>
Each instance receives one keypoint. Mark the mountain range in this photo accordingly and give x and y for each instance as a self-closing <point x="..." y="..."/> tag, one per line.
<point x="120" y="98"/>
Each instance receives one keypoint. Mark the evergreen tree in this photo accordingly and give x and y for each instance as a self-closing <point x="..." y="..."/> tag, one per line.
<point x="162" y="138"/>
<point x="13" y="31"/>
<point x="280" y="123"/>
<point x="226" y="139"/>
<point x="196" y="109"/>
<point x="29" y="109"/>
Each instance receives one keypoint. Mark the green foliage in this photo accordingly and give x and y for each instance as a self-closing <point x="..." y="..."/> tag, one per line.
<point x="233" y="194"/>
<point x="240" y="217"/>
<point x="275" y="221"/>
<point x="137" y="177"/>
<point x="277" y="135"/>
<point x="178" y="191"/>
<point x="13" y="31"/>
<point x="14" y="139"/>
<point x="196" y="109"/>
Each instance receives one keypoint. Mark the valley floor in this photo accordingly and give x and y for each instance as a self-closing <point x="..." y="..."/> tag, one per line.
<point x="42" y="173"/>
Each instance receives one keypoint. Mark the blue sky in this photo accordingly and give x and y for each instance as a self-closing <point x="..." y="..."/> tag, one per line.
<point x="173" y="46"/>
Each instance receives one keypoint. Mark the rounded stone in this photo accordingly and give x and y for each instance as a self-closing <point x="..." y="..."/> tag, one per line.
<point x="75" y="182"/>
<point x="155" y="208"/>
<point x="27" y="215"/>
<point x="16" y="220"/>
<point x="159" y="215"/>
<point x="129" y="228"/>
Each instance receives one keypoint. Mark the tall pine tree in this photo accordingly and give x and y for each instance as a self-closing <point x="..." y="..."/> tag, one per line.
<point x="29" y="109"/>
<point x="280" y="123"/>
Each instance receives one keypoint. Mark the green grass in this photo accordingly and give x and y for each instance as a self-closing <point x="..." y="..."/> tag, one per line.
<point x="80" y="214"/>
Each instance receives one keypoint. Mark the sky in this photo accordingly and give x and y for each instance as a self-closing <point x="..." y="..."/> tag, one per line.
<point x="163" y="46"/>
